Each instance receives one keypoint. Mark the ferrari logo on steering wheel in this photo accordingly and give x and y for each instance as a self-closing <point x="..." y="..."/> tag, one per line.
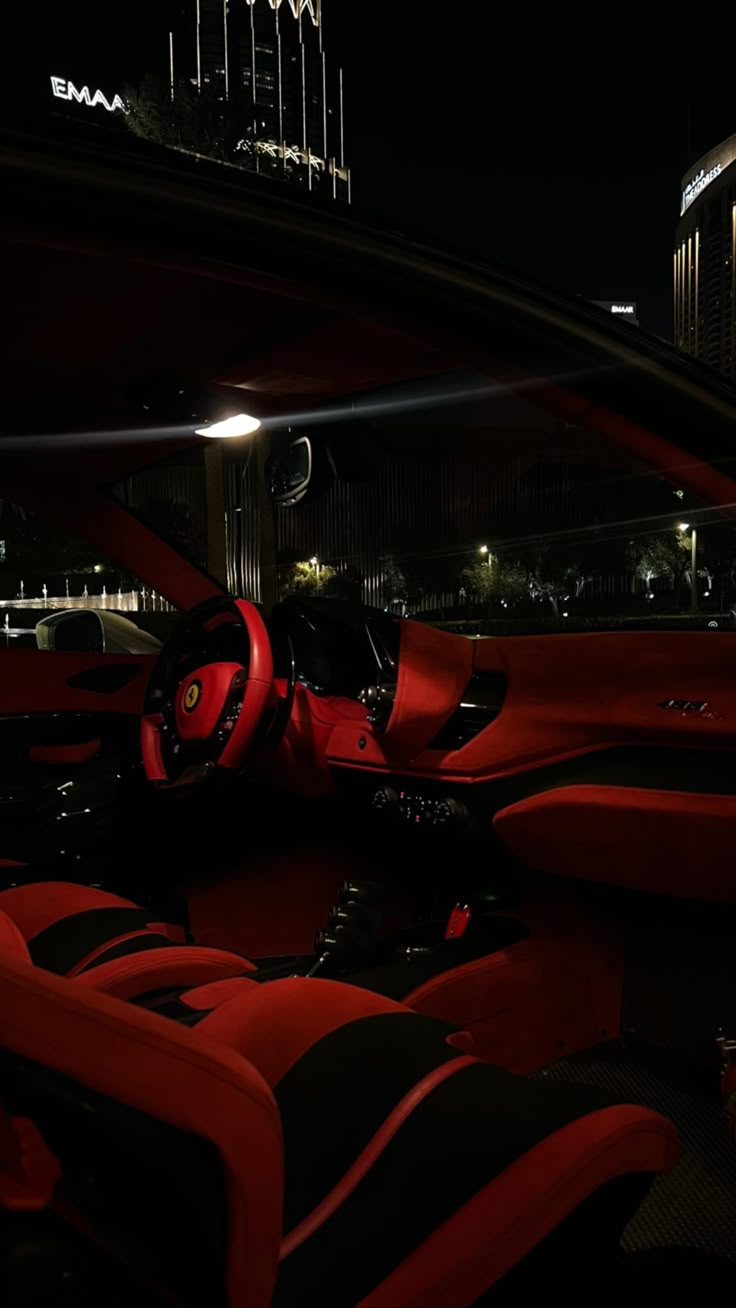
<point x="192" y="695"/>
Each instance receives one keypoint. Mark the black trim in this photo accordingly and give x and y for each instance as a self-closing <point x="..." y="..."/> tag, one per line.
<point x="63" y="728"/>
<point x="172" y="1003"/>
<point x="480" y="705"/>
<point x="460" y="1137"/>
<point x="279" y="966"/>
<point x="394" y="980"/>
<point x="59" y="947"/>
<point x="153" y="1194"/>
<point x="398" y="973"/>
<point x="335" y="1098"/>
<point x="640" y="767"/>
<point x="106" y="679"/>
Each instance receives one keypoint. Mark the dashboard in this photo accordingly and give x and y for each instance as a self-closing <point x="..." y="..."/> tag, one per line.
<point x="607" y="756"/>
<point x="338" y="649"/>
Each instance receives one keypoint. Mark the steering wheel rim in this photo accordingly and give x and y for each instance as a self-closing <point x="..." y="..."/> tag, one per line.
<point x="202" y="712"/>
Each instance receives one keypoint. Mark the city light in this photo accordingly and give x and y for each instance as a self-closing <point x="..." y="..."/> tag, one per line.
<point x="483" y="549"/>
<point x="241" y="424"/>
<point x="685" y="526"/>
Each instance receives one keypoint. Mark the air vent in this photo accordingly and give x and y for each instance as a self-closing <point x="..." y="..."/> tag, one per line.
<point x="481" y="703"/>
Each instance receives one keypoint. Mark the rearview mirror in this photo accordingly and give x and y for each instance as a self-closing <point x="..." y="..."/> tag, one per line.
<point x="289" y="472"/>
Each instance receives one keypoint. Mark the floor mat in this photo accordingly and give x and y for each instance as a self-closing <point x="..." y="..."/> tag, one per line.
<point x="695" y="1204"/>
<point x="274" y="906"/>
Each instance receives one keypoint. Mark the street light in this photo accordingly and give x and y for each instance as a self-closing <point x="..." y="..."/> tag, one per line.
<point x="485" y="550"/>
<point x="685" y="526"/>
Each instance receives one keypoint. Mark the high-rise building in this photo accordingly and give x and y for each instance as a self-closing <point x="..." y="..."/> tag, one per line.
<point x="705" y="260"/>
<point x="265" y="92"/>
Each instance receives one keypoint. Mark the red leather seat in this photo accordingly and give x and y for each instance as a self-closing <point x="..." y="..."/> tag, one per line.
<point x="153" y="1160"/>
<point x="12" y="944"/>
<point x="109" y="943"/>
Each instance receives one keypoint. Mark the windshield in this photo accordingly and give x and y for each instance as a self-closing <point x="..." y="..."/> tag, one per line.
<point x="458" y="499"/>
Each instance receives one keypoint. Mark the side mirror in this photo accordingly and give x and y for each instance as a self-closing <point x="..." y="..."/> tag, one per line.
<point x="93" y="631"/>
<point x="289" y="472"/>
<point x="79" y="630"/>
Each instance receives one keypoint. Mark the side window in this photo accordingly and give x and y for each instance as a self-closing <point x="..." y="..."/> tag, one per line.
<point x="60" y="593"/>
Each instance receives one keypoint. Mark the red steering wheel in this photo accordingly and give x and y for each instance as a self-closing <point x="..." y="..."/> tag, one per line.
<point x="207" y="693"/>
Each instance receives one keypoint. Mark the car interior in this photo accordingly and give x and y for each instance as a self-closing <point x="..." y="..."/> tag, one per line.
<point x="344" y="954"/>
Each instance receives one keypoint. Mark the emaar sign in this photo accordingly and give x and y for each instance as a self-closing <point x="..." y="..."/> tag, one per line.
<point x="65" y="90"/>
<point x="625" y="309"/>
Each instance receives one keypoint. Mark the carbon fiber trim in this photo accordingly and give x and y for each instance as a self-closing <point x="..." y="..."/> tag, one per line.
<point x="695" y="1204"/>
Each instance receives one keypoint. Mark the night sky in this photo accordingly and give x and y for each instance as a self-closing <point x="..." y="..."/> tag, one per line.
<point x="539" y="144"/>
<point x="543" y="145"/>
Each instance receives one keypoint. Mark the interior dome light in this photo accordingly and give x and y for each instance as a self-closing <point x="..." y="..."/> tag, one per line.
<point x="241" y="424"/>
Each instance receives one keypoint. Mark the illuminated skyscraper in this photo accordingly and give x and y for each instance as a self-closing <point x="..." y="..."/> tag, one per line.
<point x="705" y="260"/>
<point x="268" y="96"/>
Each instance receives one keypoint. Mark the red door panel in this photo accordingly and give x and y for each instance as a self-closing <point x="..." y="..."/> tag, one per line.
<point x="42" y="681"/>
<point x="665" y="842"/>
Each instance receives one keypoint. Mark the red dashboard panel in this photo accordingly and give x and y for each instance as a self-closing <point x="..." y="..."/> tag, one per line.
<point x="301" y="763"/>
<point x="671" y="695"/>
<point x="434" y="669"/>
<point x="566" y="695"/>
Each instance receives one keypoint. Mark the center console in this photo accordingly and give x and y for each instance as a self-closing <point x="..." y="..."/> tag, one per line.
<point x="416" y="807"/>
<point x="352" y="946"/>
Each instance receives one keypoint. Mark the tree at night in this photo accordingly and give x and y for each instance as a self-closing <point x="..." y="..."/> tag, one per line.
<point x="502" y="580"/>
<point x="661" y="554"/>
<point x="306" y="579"/>
<point x="196" y="121"/>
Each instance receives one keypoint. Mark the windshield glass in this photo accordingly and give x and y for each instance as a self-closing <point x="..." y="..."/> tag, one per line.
<point x="457" y="499"/>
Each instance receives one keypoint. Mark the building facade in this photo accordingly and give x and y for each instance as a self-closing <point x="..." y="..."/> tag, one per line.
<point x="705" y="260"/>
<point x="275" y="101"/>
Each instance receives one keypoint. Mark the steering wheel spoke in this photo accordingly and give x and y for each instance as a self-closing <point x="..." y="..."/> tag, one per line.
<point x="207" y="693"/>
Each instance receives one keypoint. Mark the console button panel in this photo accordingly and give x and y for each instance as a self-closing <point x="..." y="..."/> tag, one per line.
<point x="419" y="809"/>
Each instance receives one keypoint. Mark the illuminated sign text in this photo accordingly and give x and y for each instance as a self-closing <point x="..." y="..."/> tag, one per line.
<point x="64" y="90"/>
<point x="621" y="308"/>
<point x="698" y="184"/>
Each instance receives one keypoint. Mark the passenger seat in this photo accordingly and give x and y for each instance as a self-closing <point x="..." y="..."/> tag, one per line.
<point x="307" y="1142"/>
